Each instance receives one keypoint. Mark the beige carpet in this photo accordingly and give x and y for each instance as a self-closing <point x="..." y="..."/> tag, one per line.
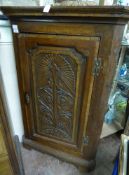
<point x="36" y="163"/>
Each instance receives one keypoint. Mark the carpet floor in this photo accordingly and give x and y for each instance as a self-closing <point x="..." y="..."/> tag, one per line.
<point x="36" y="163"/>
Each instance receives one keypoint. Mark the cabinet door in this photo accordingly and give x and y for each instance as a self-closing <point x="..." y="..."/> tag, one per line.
<point x="57" y="79"/>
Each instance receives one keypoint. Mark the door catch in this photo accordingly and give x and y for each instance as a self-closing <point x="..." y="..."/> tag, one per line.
<point x="27" y="98"/>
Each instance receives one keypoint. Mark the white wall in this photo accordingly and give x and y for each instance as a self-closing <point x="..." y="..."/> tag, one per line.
<point x="8" y="69"/>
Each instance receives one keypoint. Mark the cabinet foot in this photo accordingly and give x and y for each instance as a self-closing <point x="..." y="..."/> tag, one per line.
<point x="27" y="146"/>
<point x="89" y="168"/>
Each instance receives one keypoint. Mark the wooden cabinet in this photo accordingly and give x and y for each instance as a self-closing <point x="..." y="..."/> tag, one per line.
<point x="66" y="60"/>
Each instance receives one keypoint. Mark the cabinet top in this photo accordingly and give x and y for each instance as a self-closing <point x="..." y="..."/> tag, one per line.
<point x="68" y="11"/>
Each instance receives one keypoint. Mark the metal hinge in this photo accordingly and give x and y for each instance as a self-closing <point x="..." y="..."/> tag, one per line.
<point x="97" y="67"/>
<point x="85" y="140"/>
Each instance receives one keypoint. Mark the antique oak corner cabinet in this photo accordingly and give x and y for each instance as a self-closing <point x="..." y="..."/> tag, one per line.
<point x="66" y="60"/>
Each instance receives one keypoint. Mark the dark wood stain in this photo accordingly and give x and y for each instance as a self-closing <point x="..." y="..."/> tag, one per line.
<point x="63" y="100"/>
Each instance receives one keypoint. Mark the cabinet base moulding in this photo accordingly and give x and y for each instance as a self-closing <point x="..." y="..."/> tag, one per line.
<point x="82" y="164"/>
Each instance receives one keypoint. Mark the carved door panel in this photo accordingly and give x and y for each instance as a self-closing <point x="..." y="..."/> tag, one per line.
<point x="57" y="75"/>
